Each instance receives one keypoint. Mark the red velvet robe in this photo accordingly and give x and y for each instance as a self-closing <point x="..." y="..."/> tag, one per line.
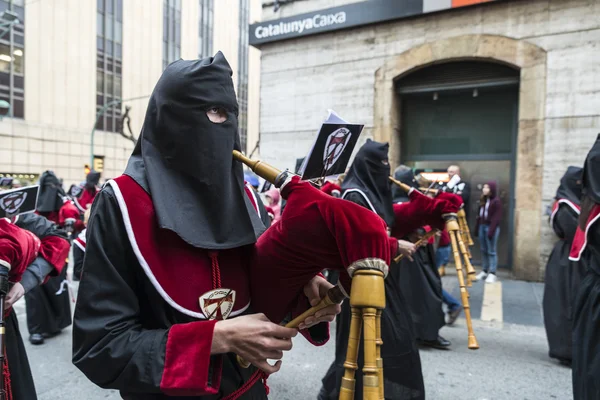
<point x="150" y="335"/>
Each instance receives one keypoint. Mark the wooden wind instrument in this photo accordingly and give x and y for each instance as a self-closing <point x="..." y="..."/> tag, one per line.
<point x="367" y="301"/>
<point x="419" y="242"/>
<point x="459" y="251"/>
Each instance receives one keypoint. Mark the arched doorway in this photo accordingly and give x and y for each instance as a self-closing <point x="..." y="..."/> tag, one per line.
<point x="530" y="62"/>
<point x="464" y="113"/>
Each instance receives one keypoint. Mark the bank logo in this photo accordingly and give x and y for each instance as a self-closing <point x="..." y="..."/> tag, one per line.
<point x="299" y="26"/>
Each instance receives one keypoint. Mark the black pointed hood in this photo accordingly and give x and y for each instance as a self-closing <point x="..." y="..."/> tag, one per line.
<point x="405" y="175"/>
<point x="51" y="193"/>
<point x="591" y="173"/>
<point x="370" y="174"/>
<point x="571" y="185"/>
<point x="184" y="161"/>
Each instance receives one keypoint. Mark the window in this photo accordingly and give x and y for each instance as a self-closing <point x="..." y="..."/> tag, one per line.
<point x="12" y="54"/>
<point x="109" y="33"/>
<point x="171" y="31"/>
<point x="205" y="28"/>
<point x="243" y="72"/>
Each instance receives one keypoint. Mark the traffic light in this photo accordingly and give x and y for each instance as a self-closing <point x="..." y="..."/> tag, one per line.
<point x="86" y="169"/>
<point x="98" y="163"/>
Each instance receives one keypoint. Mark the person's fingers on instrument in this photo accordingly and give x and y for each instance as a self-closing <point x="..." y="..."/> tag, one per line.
<point x="14" y="294"/>
<point x="254" y="338"/>
<point x="316" y="289"/>
<point x="327" y="314"/>
<point x="268" y="368"/>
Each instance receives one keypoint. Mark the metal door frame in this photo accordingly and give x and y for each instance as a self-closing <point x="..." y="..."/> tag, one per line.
<point x="511" y="157"/>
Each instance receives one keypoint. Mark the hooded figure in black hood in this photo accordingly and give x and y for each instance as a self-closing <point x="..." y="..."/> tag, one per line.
<point x="585" y="252"/>
<point x="168" y="253"/>
<point x="191" y="169"/>
<point x="367" y="182"/>
<point x="405" y="175"/>
<point x="51" y="194"/>
<point x="563" y="276"/>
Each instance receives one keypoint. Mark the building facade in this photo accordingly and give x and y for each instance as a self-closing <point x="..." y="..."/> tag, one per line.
<point x="508" y="90"/>
<point x="68" y="60"/>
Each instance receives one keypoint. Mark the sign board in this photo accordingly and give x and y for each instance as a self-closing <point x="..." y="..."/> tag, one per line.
<point x="348" y="16"/>
<point x="18" y="201"/>
<point x="332" y="149"/>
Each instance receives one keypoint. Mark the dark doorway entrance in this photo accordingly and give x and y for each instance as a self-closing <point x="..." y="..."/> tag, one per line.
<point x="465" y="113"/>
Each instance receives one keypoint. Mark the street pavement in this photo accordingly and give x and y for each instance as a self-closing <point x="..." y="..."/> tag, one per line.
<point x="512" y="362"/>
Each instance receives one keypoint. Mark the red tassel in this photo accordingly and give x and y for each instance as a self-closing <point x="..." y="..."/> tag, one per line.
<point x="216" y="271"/>
<point x="6" y="377"/>
<point x="249" y="383"/>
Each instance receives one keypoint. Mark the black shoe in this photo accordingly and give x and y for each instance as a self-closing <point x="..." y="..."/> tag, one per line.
<point x="36" y="339"/>
<point x="439" y="343"/>
<point x="50" y="335"/>
<point x="452" y="315"/>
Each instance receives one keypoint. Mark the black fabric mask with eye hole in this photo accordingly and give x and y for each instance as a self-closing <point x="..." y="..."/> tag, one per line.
<point x="184" y="161"/>
<point x="369" y="174"/>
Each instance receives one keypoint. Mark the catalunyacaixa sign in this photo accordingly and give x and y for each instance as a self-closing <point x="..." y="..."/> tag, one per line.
<point x="348" y="16"/>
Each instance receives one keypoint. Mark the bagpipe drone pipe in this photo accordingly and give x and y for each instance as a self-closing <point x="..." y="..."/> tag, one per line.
<point x="317" y="232"/>
<point x="439" y="213"/>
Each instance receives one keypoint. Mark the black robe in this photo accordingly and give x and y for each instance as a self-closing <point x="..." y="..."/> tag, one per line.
<point x="401" y="362"/>
<point x="21" y="380"/>
<point x="586" y="322"/>
<point x="563" y="278"/>
<point x="47" y="312"/>
<point x="421" y="286"/>
<point x="132" y="358"/>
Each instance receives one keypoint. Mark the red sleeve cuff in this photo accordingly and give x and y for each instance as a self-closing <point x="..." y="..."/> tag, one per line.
<point x="187" y="361"/>
<point x="317" y="335"/>
<point x="393" y="248"/>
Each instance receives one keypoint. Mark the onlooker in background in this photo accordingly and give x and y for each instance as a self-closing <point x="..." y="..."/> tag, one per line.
<point x="442" y="257"/>
<point x="457" y="186"/>
<point x="274" y="203"/>
<point x="488" y="229"/>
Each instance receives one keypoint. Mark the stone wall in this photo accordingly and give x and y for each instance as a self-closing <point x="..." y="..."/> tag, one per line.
<point x="302" y="78"/>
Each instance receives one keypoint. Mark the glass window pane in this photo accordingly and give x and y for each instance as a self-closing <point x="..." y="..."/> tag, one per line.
<point x="99" y="43"/>
<point x="109" y="6"/>
<point x="99" y="81"/>
<point x="178" y="32"/>
<point x="18" y="83"/>
<point x="109" y="28"/>
<point x="100" y="5"/>
<point x="119" y="10"/>
<point x="5" y="58"/>
<point x="19" y="39"/>
<point x="99" y="100"/>
<point x="118" y="51"/>
<point x="118" y="32"/>
<point x="109" y="83"/>
<point x="109" y="47"/>
<point x="99" y="24"/>
<point x="5" y="79"/>
<point x="18" y="61"/>
<point x="117" y="83"/>
<point x="20" y="11"/>
<point x="18" y="108"/>
<point x="3" y="6"/>
<point x="165" y="22"/>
